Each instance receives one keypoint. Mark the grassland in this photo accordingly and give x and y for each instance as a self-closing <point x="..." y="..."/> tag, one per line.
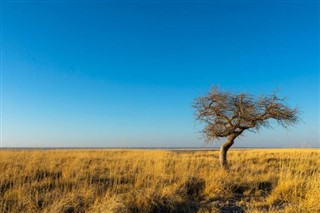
<point x="271" y="180"/>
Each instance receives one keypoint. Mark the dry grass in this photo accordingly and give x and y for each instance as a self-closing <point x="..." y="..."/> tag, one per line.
<point x="276" y="180"/>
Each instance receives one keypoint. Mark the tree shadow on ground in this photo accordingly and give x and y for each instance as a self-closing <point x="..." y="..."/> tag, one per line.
<point x="191" y="193"/>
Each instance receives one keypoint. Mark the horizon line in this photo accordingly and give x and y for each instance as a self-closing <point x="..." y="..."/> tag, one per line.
<point x="152" y="148"/>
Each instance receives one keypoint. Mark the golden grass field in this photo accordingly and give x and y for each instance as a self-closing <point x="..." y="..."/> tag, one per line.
<point x="265" y="180"/>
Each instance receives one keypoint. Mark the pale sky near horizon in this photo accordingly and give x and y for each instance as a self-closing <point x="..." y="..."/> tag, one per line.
<point x="125" y="73"/>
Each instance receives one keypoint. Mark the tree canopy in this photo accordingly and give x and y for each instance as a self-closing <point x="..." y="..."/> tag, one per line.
<point x="225" y="113"/>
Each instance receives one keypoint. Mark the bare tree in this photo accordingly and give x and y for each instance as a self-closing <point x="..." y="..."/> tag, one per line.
<point x="225" y="114"/>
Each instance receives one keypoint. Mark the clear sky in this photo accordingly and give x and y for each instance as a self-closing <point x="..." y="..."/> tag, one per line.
<point x="126" y="73"/>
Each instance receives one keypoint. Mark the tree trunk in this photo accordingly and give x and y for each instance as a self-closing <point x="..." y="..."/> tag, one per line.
<point x="223" y="152"/>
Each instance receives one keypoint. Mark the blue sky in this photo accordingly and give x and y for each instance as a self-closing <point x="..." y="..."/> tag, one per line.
<point x="126" y="73"/>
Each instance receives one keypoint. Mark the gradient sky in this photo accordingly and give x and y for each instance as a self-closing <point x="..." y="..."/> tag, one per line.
<point x="117" y="74"/>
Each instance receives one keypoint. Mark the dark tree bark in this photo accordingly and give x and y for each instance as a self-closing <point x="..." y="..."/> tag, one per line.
<point x="223" y="152"/>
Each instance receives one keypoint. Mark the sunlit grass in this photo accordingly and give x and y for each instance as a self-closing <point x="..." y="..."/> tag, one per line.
<point x="266" y="180"/>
